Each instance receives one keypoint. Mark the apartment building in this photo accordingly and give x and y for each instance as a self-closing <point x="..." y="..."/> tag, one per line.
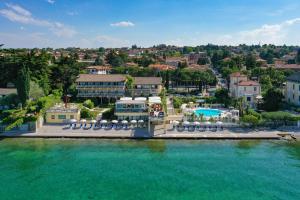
<point x="111" y="86"/>
<point x="99" y="69"/>
<point x="292" y="90"/>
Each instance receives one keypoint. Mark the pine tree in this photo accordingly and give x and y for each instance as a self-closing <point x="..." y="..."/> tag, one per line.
<point x="23" y="84"/>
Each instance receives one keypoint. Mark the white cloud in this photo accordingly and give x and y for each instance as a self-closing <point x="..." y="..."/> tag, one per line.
<point x="51" y="1"/>
<point x="16" y="13"/>
<point x="123" y="24"/>
<point x="72" y="13"/>
<point x="101" y="40"/>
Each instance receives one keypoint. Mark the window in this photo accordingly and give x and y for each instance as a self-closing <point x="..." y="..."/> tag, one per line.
<point x="299" y="87"/>
<point x="299" y="98"/>
<point x="255" y="89"/>
<point x="248" y="98"/>
<point x="52" y="116"/>
<point x="293" y="86"/>
<point x="71" y="116"/>
<point x="61" y="116"/>
<point x="293" y="96"/>
<point x="244" y="88"/>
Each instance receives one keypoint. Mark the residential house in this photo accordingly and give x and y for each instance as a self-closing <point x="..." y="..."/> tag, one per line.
<point x="110" y="86"/>
<point x="147" y="86"/>
<point x="240" y="86"/>
<point x="7" y="91"/>
<point x="174" y="61"/>
<point x="62" y="113"/>
<point x="99" y="69"/>
<point x="160" y="67"/>
<point x="292" y="90"/>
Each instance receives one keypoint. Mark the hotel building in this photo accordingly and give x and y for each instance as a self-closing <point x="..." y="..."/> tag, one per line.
<point x="102" y="86"/>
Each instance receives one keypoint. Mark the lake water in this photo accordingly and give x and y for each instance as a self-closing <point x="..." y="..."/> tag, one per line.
<point x="36" y="169"/>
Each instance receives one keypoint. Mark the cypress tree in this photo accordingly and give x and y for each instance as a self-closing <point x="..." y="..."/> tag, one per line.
<point x="23" y="84"/>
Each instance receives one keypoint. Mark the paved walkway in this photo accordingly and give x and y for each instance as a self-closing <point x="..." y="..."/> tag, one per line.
<point x="157" y="132"/>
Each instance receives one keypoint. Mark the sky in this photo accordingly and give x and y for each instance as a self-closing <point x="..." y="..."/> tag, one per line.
<point x="122" y="23"/>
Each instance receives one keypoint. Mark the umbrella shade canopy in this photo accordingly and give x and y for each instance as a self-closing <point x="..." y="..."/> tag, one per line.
<point x="196" y="123"/>
<point x="219" y="123"/>
<point x="73" y="120"/>
<point x="175" y="122"/>
<point x="207" y="123"/>
<point x="133" y="121"/>
<point x="186" y="123"/>
<point x="141" y="121"/>
<point x="103" y="121"/>
<point x="115" y="121"/>
<point x="124" y="122"/>
<point x="93" y="121"/>
<point x="83" y="121"/>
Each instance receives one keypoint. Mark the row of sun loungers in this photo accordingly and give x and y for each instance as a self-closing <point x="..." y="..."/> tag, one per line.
<point x="97" y="126"/>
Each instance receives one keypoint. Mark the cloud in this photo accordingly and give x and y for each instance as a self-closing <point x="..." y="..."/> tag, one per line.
<point x="51" y="1"/>
<point x="16" y="13"/>
<point x="103" y="41"/>
<point x="123" y="24"/>
<point x="72" y="13"/>
<point x="280" y="33"/>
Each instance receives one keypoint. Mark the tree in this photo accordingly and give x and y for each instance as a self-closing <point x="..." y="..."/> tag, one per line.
<point x="115" y="59"/>
<point x="298" y="57"/>
<point x="272" y="99"/>
<point x="35" y="91"/>
<point x="23" y="84"/>
<point x="251" y="120"/>
<point x="98" y="61"/>
<point x="250" y="61"/>
<point x="203" y="61"/>
<point x="89" y="104"/>
<point x="167" y="81"/>
<point x="222" y="97"/>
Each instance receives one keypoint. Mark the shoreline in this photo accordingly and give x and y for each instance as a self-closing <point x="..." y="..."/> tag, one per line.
<point x="49" y="132"/>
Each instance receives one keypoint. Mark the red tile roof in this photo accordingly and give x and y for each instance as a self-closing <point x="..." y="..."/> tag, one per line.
<point x="237" y="74"/>
<point x="248" y="83"/>
<point x="162" y="67"/>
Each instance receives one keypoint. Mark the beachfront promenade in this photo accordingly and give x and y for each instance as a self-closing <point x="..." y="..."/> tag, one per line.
<point x="156" y="132"/>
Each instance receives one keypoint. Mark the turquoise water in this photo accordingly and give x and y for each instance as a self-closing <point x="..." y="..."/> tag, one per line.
<point x="207" y="112"/>
<point x="103" y="169"/>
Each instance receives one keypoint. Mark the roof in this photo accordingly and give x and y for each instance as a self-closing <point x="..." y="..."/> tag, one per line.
<point x="7" y="91"/>
<point x="248" y="83"/>
<point x="101" y="78"/>
<point x="60" y="108"/>
<point x="237" y="74"/>
<point x="287" y="66"/>
<point x="147" y="80"/>
<point x="195" y="67"/>
<point x="100" y="67"/>
<point x="294" y="77"/>
<point x="130" y="102"/>
<point x="162" y="67"/>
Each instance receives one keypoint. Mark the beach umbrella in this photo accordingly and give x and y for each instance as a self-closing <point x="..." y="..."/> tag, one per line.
<point x="115" y="121"/>
<point x="186" y="123"/>
<point x="141" y="121"/>
<point x="207" y="123"/>
<point x="93" y="121"/>
<point x="83" y="121"/>
<point x="133" y="121"/>
<point x="176" y="122"/>
<point x="196" y="123"/>
<point x="103" y="121"/>
<point x="219" y="123"/>
<point x="124" y="122"/>
<point x="73" y="121"/>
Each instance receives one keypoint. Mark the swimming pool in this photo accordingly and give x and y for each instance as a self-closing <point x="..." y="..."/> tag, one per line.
<point x="207" y="112"/>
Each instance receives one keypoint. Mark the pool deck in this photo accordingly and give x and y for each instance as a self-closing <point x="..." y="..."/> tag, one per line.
<point x="156" y="133"/>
